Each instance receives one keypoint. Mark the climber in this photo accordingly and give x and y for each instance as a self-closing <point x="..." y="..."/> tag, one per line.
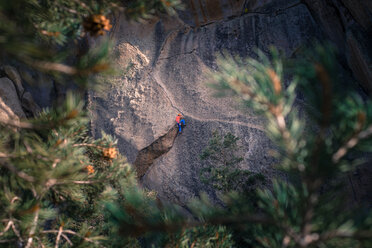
<point x="180" y="122"/>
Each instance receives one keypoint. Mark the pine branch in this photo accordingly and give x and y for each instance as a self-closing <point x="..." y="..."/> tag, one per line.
<point x="362" y="234"/>
<point x="73" y="233"/>
<point x="29" y="125"/>
<point x="82" y="4"/>
<point x="86" y="182"/>
<point x="55" y="162"/>
<point x="59" y="236"/>
<point x="314" y="238"/>
<point x="13" y="169"/>
<point x="20" y="124"/>
<point x="3" y="155"/>
<point x="17" y="233"/>
<point x="88" y="145"/>
<point x="276" y="110"/>
<point x="138" y="228"/>
<point x="33" y="228"/>
<point x="57" y="67"/>
<point x="352" y="142"/>
<point x="10" y="223"/>
<point x="72" y="11"/>
<point x="246" y="93"/>
<point x="7" y="241"/>
<point x="312" y="185"/>
<point x="67" y="239"/>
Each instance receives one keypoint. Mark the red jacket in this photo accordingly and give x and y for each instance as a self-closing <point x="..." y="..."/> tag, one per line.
<point x="178" y="118"/>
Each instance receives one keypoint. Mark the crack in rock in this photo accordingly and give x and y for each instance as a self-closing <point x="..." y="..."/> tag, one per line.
<point x="190" y="115"/>
<point x="175" y="55"/>
<point x="254" y="13"/>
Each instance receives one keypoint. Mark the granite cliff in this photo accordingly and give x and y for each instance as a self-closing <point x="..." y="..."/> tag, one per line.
<point x="162" y="66"/>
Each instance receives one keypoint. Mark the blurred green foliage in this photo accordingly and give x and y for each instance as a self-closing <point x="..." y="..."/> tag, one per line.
<point x="221" y="159"/>
<point x="51" y="35"/>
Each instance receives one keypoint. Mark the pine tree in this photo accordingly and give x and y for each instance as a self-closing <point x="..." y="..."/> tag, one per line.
<point x="221" y="170"/>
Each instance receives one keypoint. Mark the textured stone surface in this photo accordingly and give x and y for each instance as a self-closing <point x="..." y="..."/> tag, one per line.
<point x="168" y="60"/>
<point x="361" y="11"/>
<point x="29" y="105"/>
<point x="10" y="106"/>
<point x="360" y="184"/>
<point x="13" y="75"/>
<point x="348" y="23"/>
<point x="360" y="58"/>
<point x="41" y="86"/>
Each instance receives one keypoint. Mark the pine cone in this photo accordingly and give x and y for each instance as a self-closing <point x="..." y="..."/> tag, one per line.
<point x="96" y="25"/>
<point x="110" y="152"/>
<point x="90" y="169"/>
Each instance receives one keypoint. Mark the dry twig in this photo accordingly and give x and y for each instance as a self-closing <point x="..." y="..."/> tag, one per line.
<point x="33" y="228"/>
<point x="59" y="236"/>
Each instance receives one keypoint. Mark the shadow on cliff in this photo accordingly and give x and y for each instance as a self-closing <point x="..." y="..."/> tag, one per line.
<point x="160" y="146"/>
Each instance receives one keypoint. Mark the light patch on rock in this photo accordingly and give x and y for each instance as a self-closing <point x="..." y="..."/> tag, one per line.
<point x="129" y="59"/>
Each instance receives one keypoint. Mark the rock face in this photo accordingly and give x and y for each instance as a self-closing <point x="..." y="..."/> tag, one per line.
<point x="10" y="106"/>
<point x="40" y="86"/>
<point x="348" y="23"/>
<point x="26" y="106"/>
<point x="15" y="102"/>
<point x="13" y="75"/>
<point x="162" y="69"/>
<point x="360" y="184"/>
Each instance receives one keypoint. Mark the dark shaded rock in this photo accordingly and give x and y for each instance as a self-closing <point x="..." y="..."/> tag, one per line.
<point x="360" y="58"/>
<point x="360" y="184"/>
<point x="348" y="23"/>
<point x="29" y="105"/>
<point x="10" y="106"/>
<point x="361" y="10"/>
<point x="329" y="20"/>
<point x="145" y="157"/>
<point x="39" y="85"/>
<point x="13" y="75"/>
